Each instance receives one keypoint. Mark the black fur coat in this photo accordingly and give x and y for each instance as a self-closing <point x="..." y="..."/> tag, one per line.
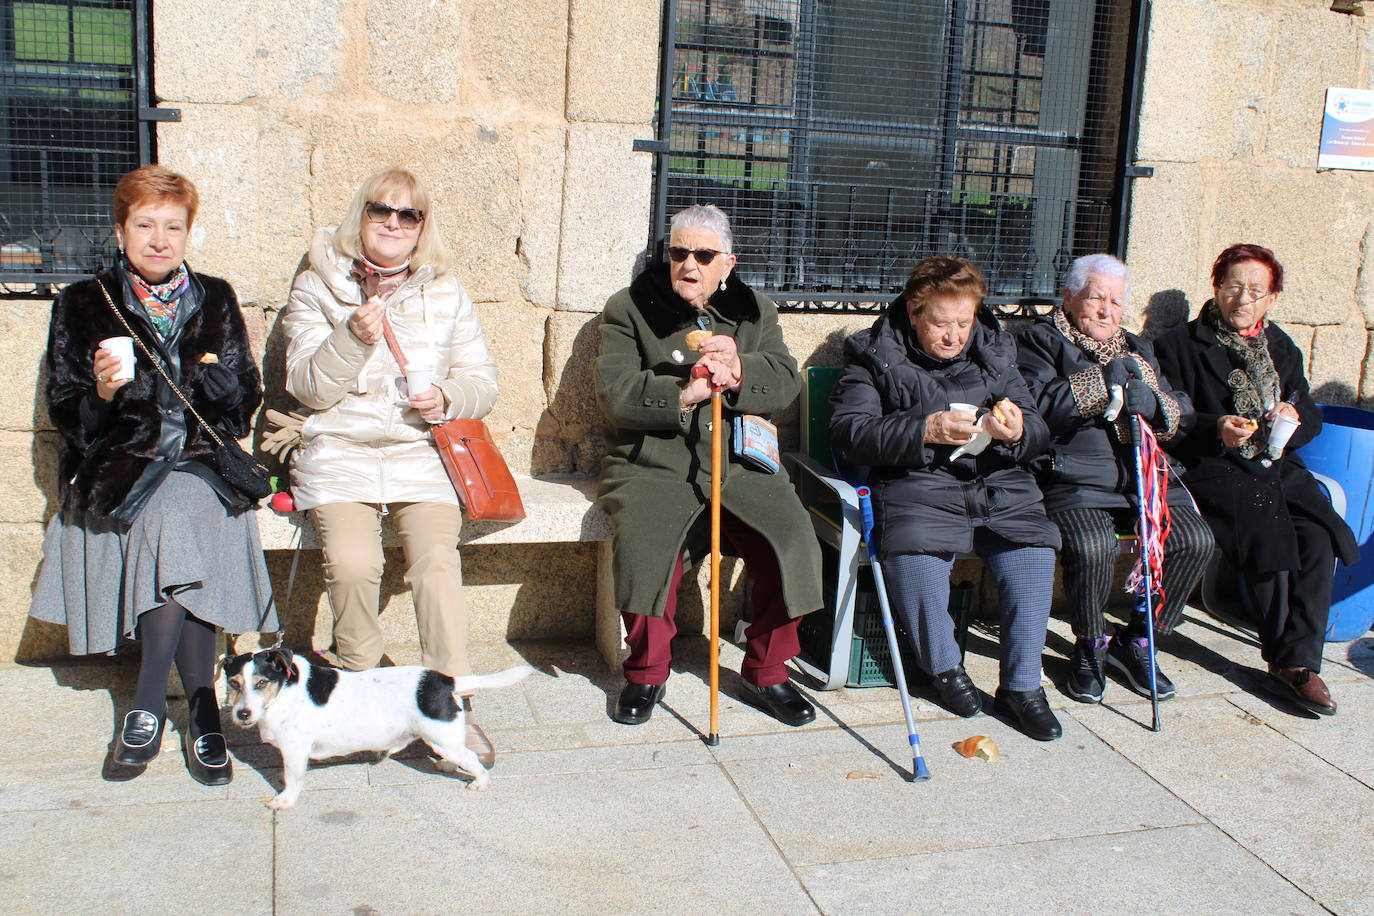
<point x="119" y="451"/>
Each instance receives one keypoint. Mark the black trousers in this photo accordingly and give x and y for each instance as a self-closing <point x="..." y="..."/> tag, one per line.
<point x="1089" y="557"/>
<point x="1292" y="605"/>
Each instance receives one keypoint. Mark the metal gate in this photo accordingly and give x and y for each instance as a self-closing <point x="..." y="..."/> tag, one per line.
<point x="75" y="107"/>
<point x="848" y="139"/>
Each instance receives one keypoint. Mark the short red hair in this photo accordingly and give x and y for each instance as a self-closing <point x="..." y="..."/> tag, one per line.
<point x="1245" y="252"/>
<point x="154" y="184"/>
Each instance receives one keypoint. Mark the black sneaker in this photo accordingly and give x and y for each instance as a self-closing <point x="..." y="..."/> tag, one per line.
<point x="1087" y="681"/>
<point x="1130" y="655"/>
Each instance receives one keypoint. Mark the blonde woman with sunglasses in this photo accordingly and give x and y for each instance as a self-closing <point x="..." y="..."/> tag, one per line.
<point x="366" y="449"/>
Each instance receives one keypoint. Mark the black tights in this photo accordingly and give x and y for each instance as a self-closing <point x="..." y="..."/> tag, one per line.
<point x="169" y="634"/>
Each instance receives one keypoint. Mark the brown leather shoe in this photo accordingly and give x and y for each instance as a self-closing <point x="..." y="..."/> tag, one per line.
<point x="478" y="742"/>
<point x="1303" y="686"/>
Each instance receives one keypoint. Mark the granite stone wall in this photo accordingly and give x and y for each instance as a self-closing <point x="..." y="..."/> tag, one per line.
<point x="520" y="117"/>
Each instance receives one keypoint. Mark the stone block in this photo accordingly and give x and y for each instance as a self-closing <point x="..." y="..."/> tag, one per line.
<point x="605" y="224"/>
<point x="813" y="340"/>
<point x="282" y="216"/>
<point x="1169" y="269"/>
<point x="1319" y="250"/>
<point x="1364" y="286"/>
<point x="471" y="172"/>
<point x="415" y="50"/>
<point x="196" y="63"/>
<point x="510" y="330"/>
<point x="1338" y="356"/>
<point x="518" y="56"/>
<point x="1218" y="52"/>
<point x="613" y="60"/>
<point x="542" y="152"/>
<point x="1367" y="376"/>
<point x="28" y="475"/>
<point x="570" y="430"/>
<point x="1312" y="50"/>
<point x="216" y="146"/>
<point x="23" y="344"/>
<point x="23" y="639"/>
<point x="310" y="52"/>
<point x="1302" y="335"/>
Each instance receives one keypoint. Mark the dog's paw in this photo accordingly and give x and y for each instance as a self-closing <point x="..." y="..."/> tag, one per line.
<point x="281" y="802"/>
<point x="479" y="783"/>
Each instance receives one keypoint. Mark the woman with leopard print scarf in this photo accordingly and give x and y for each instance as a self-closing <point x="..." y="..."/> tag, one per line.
<point x="1270" y="517"/>
<point x="1071" y="360"/>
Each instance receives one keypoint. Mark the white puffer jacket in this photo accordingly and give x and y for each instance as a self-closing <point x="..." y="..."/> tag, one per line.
<point x="362" y="444"/>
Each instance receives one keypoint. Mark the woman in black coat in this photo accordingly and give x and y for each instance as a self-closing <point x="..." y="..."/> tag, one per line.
<point x="1268" y="513"/>
<point x="151" y="541"/>
<point x="905" y="407"/>
<point x="1071" y="360"/>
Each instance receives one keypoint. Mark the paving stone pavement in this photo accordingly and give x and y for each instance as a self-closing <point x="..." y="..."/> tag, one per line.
<point x="1240" y="805"/>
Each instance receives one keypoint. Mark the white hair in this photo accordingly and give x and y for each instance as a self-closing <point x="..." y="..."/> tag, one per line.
<point x="707" y="216"/>
<point x="1103" y="265"/>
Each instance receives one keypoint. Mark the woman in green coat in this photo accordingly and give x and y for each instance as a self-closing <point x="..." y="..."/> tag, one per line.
<point x="656" y="480"/>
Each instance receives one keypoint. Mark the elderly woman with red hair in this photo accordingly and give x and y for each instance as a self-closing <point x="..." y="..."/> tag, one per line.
<point x="1266" y="510"/>
<point x="151" y="541"/>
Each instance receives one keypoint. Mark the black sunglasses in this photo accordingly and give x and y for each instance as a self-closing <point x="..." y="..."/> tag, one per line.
<point x="704" y="256"/>
<point x="408" y="217"/>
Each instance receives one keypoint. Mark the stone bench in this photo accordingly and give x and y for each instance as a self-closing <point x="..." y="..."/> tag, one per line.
<point x="558" y="509"/>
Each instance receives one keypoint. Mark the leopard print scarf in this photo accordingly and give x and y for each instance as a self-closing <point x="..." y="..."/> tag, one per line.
<point x="1255" y="386"/>
<point x="1103" y="352"/>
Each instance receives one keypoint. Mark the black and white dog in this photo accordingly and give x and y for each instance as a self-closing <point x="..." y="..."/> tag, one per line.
<point x="310" y="713"/>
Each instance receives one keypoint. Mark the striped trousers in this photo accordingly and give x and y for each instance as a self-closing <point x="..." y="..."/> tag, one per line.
<point x="1089" y="558"/>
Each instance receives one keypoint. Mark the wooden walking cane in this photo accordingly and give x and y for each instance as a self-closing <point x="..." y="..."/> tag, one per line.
<point x="713" y="738"/>
<point x="700" y="371"/>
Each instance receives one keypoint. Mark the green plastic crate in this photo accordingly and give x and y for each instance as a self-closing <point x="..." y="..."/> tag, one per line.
<point x="870" y="660"/>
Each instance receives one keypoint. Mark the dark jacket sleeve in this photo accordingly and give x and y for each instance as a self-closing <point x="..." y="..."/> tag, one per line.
<point x="1048" y="384"/>
<point x="232" y="411"/>
<point x="75" y="409"/>
<point x="860" y="432"/>
<point x="1176" y="353"/>
<point x="630" y="396"/>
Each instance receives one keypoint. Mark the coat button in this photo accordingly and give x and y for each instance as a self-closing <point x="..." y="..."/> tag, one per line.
<point x="648" y="402"/>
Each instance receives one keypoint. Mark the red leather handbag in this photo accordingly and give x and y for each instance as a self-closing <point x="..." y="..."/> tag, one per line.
<point x="474" y="465"/>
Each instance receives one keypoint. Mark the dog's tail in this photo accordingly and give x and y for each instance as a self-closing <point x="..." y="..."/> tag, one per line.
<point x="488" y="681"/>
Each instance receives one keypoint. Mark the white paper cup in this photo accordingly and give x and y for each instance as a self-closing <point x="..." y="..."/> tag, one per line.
<point x="123" y="347"/>
<point x="418" y="379"/>
<point x="964" y="408"/>
<point x="1281" y="429"/>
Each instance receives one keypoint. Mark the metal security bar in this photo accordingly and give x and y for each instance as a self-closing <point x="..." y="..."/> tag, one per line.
<point x="848" y="139"/>
<point x="73" y="94"/>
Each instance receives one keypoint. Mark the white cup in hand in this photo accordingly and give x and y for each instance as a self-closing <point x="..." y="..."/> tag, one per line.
<point x="1281" y="429"/>
<point x="122" y="347"/>
<point x="980" y="439"/>
<point x="419" y="373"/>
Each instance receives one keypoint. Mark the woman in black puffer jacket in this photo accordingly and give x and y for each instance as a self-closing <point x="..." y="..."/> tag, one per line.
<point x="934" y="348"/>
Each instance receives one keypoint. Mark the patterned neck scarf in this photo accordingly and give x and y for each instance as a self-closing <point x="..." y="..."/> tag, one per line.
<point x="377" y="281"/>
<point x="1255" y="386"/>
<point x="159" y="300"/>
<point x="1104" y="351"/>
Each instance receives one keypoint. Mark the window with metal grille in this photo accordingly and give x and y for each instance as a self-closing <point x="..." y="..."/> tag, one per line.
<point x="849" y="139"/>
<point x="73" y="74"/>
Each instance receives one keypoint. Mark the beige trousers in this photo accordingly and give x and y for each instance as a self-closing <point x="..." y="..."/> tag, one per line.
<point x="351" y="534"/>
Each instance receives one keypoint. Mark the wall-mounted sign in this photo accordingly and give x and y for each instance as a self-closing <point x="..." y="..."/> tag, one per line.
<point x="1347" y="130"/>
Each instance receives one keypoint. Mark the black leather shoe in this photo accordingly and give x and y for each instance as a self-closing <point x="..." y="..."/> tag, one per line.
<point x="636" y="703"/>
<point x="781" y="701"/>
<point x="957" y="692"/>
<point x="207" y="760"/>
<point x="140" y="739"/>
<point x="1030" y="710"/>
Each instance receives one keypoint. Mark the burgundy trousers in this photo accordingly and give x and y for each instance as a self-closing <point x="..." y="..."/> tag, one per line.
<point x="770" y="640"/>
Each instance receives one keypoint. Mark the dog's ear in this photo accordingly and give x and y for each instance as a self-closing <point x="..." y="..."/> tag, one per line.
<point x="232" y="664"/>
<point x="283" y="659"/>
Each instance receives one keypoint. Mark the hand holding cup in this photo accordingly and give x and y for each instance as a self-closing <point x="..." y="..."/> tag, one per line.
<point x="113" y="366"/>
<point x="955" y="426"/>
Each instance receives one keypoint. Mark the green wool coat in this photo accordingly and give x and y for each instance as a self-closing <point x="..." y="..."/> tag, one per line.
<point x="656" y="480"/>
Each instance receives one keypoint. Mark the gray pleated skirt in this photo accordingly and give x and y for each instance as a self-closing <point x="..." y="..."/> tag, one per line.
<point x="98" y="577"/>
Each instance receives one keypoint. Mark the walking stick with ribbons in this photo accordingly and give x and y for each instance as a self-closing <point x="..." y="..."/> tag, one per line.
<point x="919" y="771"/>
<point x="1152" y="525"/>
